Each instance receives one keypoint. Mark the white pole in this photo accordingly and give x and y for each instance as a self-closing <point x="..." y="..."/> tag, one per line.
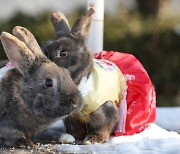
<point x="95" y="40"/>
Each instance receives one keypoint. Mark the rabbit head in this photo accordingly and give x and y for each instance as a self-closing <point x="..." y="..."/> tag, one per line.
<point x="69" y="49"/>
<point x="50" y="86"/>
<point x="36" y="92"/>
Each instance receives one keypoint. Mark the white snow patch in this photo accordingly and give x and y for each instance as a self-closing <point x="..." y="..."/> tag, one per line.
<point x="168" y="118"/>
<point x="153" y="140"/>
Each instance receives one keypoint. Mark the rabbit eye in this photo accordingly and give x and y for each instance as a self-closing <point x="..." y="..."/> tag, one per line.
<point x="62" y="53"/>
<point x="49" y="83"/>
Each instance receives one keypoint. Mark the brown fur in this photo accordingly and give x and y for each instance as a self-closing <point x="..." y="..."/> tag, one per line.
<point x="27" y="104"/>
<point x="79" y="61"/>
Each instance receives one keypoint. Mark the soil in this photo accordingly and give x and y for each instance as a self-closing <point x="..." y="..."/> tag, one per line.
<point x="39" y="149"/>
<point x="36" y="149"/>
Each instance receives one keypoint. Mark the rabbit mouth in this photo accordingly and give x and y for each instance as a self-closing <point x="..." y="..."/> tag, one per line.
<point x="77" y="107"/>
<point x="59" y="113"/>
<point x="58" y="108"/>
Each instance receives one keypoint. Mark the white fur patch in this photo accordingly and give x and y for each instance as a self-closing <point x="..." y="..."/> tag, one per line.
<point x="4" y="70"/>
<point x="66" y="138"/>
<point x="85" y="85"/>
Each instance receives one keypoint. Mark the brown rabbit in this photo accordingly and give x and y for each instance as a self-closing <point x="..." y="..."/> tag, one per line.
<point x="34" y="92"/>
<point x="69" y="49"/>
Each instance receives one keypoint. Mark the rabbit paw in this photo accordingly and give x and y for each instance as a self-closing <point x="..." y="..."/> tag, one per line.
<point x="94" y="139"/>
<point x="4" y="143"/>
<point x="25" y="143"/>
<point x="66" y="138"/>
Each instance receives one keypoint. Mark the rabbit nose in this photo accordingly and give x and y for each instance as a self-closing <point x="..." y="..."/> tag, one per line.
<point x="76" y="101"/>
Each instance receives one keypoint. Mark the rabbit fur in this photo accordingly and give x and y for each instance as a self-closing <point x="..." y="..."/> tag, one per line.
<point x="69" y="49"/>
<point x="34" y="93"/>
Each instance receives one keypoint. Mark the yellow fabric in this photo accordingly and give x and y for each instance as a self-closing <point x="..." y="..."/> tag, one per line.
<point x="108" y="85"/>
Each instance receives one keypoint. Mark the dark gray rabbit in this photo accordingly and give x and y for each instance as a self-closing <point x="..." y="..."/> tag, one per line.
<point x="34" y="92"/>
<point x="69" y="49"/>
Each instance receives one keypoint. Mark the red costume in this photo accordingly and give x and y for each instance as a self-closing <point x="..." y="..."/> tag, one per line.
<point x="141" y="97"/>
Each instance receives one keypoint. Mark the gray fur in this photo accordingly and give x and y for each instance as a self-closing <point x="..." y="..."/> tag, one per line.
<point x="60" y="24"/>
<point x="79" y="61"/>
<point x="27" y="105"/>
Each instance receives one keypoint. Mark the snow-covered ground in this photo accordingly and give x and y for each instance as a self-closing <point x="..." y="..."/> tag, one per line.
<point x="153" y="140"/>
<point x="169" y="118"/>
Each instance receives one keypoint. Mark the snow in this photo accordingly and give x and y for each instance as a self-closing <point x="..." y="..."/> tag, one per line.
<point x="169" y="118"/>
<point x="153" y="140"/>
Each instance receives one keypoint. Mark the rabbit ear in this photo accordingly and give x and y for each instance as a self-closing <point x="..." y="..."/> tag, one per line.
<point x="60" y="24"/>
<point x="25" y="36"/>
<point x="83" y="23"/>
<point x="17" y="52"/>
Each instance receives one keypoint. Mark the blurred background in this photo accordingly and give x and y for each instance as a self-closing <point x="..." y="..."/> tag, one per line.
<point x="148" y="29"/>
